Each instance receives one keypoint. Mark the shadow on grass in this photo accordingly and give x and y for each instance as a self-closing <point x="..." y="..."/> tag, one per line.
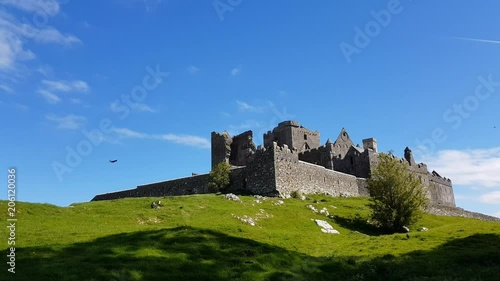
<point x="186" y="253"/>
<point x="359" y="224"/>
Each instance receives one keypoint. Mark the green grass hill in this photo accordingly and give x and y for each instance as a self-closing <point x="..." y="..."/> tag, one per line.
<point x="201" y="237"/>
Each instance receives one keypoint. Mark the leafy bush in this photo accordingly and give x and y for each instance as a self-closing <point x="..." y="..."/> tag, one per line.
<point x="397" y="196"/>
<point x="219" y="177"/>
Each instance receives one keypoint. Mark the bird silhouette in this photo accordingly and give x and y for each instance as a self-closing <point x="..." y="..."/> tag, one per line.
<point x="113" y="161"/>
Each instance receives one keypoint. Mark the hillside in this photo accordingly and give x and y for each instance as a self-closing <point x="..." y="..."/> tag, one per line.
<point x="199" y="237"/>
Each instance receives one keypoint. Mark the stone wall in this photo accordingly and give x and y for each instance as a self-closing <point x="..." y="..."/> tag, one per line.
<point x="293" y="174"/>
<point x="441" y="192"/>
<point x="260" y="173"/>
<point x="184" y="186"/>
<point x="458" y="212"/>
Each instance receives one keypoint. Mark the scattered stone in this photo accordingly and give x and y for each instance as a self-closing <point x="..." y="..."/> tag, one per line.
<point x="326" y="227"/>
<point x="285" y="196"/>
<point x="245" y="219"/>
<point x="303" y="198"/>
<point x="258" y="201"/>
<point x="258" y="197"/>
<point x="406" y="229"/>
<point x="232" y="197"/>
<point x="345" y="195"/>
<point x="279" y="203"/>
<point x="423" y="229"/>
<point x="156" y="205"/>
<point x="311" y="207"/>
<point x="325" y="212"/>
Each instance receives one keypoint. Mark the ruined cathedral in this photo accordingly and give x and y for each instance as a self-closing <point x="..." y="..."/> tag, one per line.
<point x="293" y="159"/>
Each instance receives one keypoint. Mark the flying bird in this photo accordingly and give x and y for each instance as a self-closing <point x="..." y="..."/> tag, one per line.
<point x="113" y="161"/>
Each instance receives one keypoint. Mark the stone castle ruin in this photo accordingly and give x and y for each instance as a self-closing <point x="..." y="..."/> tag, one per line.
<point x="293" y="159"/>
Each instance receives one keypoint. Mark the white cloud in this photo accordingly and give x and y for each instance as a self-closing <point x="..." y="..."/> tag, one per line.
<point x="192" y="69"/>
<point x="12" y="50"/>
<point x="14" y="33"/>
<point x="52" y="35"/>
<point x="235" y="71"/>
<point x="490" y="198"/>
<point x="127" y="133"/>
<point x="497" y="214"/>
<point x="139" y="107"/>
<point x="188" y="140"/>
<point x="142" y="107"/>
<point x="6" y="89"/>
<point x="49" y="97"/>
<point x="45" y="70"/>
<point x="66" y="86"/>
<point x="478" y="40"/>
<point x="478" y="168"/>
<point x="51" y="87"/>
<point x="49" y="7"/>
<point x="70" y="122"/>
<point x="246" y="107"/>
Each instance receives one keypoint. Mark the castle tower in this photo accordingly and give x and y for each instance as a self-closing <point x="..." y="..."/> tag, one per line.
<point x="409" y="157"/>
<point x="370" y="143"/>
<point x="293" y="135"/>
<point x="221" y="148"/>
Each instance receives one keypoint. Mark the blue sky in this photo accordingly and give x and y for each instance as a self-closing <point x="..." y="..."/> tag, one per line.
<point x="153" y="79"/>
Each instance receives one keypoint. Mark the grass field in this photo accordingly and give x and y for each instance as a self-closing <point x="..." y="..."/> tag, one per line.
<point x="198" y="237"/>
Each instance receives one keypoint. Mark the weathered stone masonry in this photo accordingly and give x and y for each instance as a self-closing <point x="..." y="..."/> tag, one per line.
<point x="292" y="159"/>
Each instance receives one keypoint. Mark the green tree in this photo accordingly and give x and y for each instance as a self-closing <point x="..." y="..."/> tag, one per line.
<point x="219" y="177"/>
<point x="397" y="196"/>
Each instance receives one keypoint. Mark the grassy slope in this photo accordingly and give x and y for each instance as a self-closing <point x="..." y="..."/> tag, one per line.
<point x="196" y="238"/>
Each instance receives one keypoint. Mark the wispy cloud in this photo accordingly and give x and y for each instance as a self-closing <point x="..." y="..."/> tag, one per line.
<point x="478" y="40"/>
<point x="142" y="107"/>
<point x="236" y="71"/>
<point x="49" y="88"/>
<point x="246" y="107"/>
<point x="477" y="168"/>
<point x="188" y="140"/>
<point x="70" y="122"/>
<point x="66" y="86"/>
<point x="490" y="198"/>
<point x="192" y="69"/>
<point x="49" y="97"/>
<point x="139" y="107"/>
<point x="15" y="33"/>
<point x="6" y="89"/>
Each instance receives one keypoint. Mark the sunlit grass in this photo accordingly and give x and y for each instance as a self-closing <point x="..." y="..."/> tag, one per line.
<point x="197" y="238"/>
